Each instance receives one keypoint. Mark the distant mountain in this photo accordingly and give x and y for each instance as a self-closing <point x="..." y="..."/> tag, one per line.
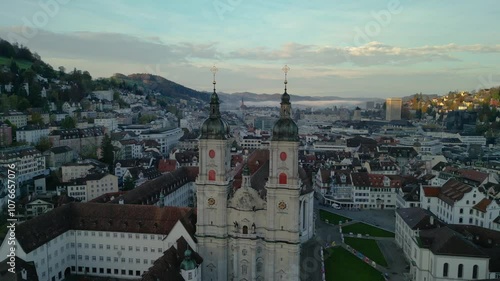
<point x="161" y="85"/>
<point x="173" y="90"/>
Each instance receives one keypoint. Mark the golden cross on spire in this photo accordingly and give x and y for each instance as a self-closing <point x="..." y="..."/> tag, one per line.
<point x="285" y="70"/>
<point x="214" y="70"/>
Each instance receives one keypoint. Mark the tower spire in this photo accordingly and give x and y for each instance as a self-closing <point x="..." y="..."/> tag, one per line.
<point x="214" y="99"/>
<point x="214" y="70"/>
<point x="285" y="70"/>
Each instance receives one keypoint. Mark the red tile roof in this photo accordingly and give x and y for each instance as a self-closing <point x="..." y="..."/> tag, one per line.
<point x="482" y="205"/>
<point x="102" y="217"/>
<point x="431" y="191"/>
<point x="453" y="191"/>
<point x="473" y="175"/>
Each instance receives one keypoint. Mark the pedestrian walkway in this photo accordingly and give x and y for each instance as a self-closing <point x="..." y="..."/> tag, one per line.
<point x="378" y="267"/>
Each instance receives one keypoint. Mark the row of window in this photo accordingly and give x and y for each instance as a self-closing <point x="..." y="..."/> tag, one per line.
<point x="101" y="270"/>
<point x="460" y="271"/>
<point x="116" y="247"/>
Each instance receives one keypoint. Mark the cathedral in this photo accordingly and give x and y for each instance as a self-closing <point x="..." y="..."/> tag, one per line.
<point x="253" y="218"/>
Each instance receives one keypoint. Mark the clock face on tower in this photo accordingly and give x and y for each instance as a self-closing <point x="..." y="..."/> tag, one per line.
<point x="211" y="201"/>
<point x="211" y="153"/>
<point x="282" y="205"/>
<point x="283" y="156"/>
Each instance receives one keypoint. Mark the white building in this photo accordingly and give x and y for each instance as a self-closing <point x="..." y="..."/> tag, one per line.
<point x="28" y="161"/>
<point x="91" y="186"/>
<point x="31" y="134"/>
<point x="438" y="252"/>
<point x="167" y="138"/>
<point x="71" y="171"/>
<point x="104" y="240"/>
<point x="110" y="123"/>
<point x="458" y="203"/>
<point x="17" y="118"/>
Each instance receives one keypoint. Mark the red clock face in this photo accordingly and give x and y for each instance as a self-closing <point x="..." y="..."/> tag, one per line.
<point x="283" y="156"/>
<point x="211" y="153"/>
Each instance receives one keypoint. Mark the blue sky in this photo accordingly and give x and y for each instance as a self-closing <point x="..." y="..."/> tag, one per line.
<point x="364" y="48"/>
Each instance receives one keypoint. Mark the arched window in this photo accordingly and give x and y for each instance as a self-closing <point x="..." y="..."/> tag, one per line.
<point x="460" y="270"/>
<point x="282" y="178"/>
<point x="461" y="210"/>
<point x="245" y="229"/>
<point x="474" y="271"/>
<point x="259" y="267"/>
<point x="445" y="270"/>
<point x="211" y="175"/>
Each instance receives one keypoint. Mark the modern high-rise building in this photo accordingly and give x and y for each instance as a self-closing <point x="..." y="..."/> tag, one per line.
<point x="393" y="109"/>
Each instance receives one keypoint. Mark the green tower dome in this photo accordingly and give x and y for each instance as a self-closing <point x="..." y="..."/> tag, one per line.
<point x="215" y="127"/>
<point x="188" y="263"/>
<point x="285" y="128"/>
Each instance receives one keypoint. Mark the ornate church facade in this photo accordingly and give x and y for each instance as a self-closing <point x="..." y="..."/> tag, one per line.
<point x="253" y="231"/>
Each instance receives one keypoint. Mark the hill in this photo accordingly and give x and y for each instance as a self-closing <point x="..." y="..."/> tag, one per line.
<point x="167" y="88"/>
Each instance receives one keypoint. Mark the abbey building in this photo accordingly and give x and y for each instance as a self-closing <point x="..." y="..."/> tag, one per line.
<point x="251" y="219"/>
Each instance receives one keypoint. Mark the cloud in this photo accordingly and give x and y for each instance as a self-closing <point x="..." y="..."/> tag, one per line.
<point x="152" y="50"/>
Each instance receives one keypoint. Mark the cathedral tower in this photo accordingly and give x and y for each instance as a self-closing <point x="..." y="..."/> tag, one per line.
<point x="283" y="192"/>
<point x="212" y="191"/>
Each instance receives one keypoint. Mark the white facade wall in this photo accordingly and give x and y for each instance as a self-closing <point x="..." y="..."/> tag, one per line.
<point x="71" y="172"/>
<point x="181" y="197"/>
<point x="31" y="136"/>
<point x="96" y="188"/>
<point x="109" y="123"/>
<point x="462" y="211"/>
<point x="123" y="255"/>
<point x="429" y="267"/>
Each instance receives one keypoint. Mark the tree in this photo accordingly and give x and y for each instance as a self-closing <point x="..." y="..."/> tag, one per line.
<point x="68" y="123"/>
<point x="128" y="183"/>
<point x="37" y="119"/>
<point x="44" y="144"/>
<point x="107" y="151"/>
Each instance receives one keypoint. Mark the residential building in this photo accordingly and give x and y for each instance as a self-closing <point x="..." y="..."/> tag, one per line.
<point x="31" y="134"/>
<point x="91" y="186"/>
<point x="58" y="156"/>
<point x="5" y="135"/>
<point x="110" y="123"/>
<point x="28" y="161"/>
<point x="83" y="141"/>
<point x="167" y="138"/>
<point x="16" y="118"/>
<point x="459" y="203"/>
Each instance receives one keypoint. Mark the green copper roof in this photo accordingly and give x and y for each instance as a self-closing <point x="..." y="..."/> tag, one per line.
<point x="285" y="128"/>
<point x="188" y="263"/>
<point x="215" y="127"/>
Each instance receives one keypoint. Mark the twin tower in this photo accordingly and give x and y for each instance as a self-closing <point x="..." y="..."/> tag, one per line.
<point x="245" y="235"/>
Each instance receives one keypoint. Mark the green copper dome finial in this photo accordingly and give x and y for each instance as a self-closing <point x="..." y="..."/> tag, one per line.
<point x="215" y="127"/>
<point x="188" y="263"/>
<point x="285" y="128"/>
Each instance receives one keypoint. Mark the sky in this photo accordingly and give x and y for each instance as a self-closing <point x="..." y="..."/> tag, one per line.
<point x="363" y="48"/>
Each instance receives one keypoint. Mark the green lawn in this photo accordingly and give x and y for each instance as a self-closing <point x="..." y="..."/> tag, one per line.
<point x="362" y="228"/>
<point x="331" y="217"/>
<point x="340" y="265"/>
<point x="368" y="247"/>
<point x="21" y="63"/>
